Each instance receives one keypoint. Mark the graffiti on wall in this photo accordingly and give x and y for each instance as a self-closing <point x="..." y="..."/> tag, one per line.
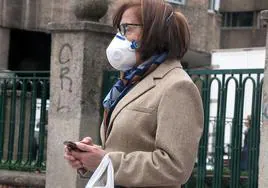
<point x="66" y="82"/>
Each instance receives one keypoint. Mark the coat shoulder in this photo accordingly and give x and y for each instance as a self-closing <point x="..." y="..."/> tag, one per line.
<point x="176" y="76"/>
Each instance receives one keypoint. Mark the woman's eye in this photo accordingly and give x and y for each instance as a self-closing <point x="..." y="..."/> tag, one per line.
<point x="129" y="29"/>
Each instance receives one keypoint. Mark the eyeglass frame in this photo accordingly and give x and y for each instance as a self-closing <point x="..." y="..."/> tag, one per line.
<point x="123" y="27"/>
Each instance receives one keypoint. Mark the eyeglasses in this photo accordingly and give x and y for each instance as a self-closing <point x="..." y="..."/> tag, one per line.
<point x="125" y="27"/>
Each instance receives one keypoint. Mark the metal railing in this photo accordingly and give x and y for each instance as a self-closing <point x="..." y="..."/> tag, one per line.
<point x="23" y="119"/>
<point x="229" y="98"/>
<point x="235" y="95"/>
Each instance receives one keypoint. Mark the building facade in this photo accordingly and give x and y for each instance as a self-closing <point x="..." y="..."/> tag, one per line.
<point x="25" y="40"/>
<point x="241" y="23"/>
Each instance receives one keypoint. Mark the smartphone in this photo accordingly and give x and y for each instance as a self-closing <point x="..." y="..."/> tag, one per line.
<point x="71" y="146"/>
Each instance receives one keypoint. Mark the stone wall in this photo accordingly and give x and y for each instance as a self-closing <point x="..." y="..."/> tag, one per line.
<point x="12" y="179"/>
<point x="4" y="41"/>
<point x="243" y="5"/>
<point x="263" y="159"/>
<point x="205" y="28"/>
<point x="235" y="38"/>
<point x="35" y="15"/>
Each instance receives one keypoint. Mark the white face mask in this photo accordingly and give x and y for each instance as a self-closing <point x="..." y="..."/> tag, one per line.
<point x="121" y="53"/>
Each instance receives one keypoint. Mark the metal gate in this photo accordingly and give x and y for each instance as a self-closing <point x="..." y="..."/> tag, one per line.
<point x="229" y="148"/>
<point x="23" y="119"/>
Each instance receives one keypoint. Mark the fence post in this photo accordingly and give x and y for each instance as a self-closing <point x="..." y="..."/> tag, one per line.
<point x="4" y="41"/>
<point x="263" y="160"/>
<point x="78" y="55"/>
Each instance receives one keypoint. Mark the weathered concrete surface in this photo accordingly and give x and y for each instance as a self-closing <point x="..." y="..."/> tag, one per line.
<point x="22" y="179"/>
<point x="4" y="48"/>
<point x="90" y="10"/>
<point x="263" y="160"/>
<point x="243" y="5"/>
<point x="204" y="28"/>
<point x="35" y="15"/>
<point x="235" y="38"/>
<point x="77" y="63"/>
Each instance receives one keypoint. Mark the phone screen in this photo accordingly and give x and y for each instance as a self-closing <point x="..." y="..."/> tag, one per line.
<point x="72" y="146"/>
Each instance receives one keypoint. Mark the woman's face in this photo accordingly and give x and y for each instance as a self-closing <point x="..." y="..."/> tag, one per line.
<point x="133" y="32"/>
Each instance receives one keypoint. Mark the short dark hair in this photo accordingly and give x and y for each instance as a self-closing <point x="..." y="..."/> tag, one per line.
<point x="163" y="28"/>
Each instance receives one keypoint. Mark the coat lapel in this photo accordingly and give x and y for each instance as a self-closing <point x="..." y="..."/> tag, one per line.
<point x="143" y="86"/>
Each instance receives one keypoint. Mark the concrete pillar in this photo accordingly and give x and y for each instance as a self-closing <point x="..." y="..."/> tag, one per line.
<point x="263" y="160"/>
<point x="4" y="48"/>
<point x="77" y="61"/>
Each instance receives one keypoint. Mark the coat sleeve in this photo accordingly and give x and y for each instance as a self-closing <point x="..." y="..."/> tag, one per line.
<point x="179" y="128"/>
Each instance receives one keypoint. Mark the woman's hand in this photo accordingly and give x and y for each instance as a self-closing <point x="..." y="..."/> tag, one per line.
<point x="90" y="158"/>
<point x="87" y="140"/>
<point x="73" y="162"/>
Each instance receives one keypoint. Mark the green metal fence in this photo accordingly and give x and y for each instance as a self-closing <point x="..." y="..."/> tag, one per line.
<point x="23" y="119"/>
<point x="238" y="94"/>
<point x="228" y="151"/>
<point x="229" y="98"/>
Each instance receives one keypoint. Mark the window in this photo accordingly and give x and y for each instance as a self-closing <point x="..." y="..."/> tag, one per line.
<point x="178" y="2"/>
<point x="238" y="19"/>
<point x="214" y="5"/>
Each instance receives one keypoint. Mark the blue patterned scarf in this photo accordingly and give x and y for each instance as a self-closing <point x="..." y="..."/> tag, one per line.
<point x="126" y="82"/>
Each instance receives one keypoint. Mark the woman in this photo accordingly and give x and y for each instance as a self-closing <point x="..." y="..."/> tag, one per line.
<point x="153" y="115"/>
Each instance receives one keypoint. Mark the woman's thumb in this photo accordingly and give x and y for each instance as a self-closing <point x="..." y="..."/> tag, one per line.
<point x="87" y="140"/>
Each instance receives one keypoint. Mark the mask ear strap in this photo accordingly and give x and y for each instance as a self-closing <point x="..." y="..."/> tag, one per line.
<point x="169" y="17"/>
<point x="134" y="45"/>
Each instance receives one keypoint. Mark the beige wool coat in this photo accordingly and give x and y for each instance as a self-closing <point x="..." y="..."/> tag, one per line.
<point x="155" y="130"/>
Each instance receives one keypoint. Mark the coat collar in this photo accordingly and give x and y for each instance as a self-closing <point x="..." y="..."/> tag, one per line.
<point x="143" y="86"/>
<point x="165" y="67"/>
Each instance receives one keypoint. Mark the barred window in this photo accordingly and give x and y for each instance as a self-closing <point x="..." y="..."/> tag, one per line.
<point x="238" y="19"/>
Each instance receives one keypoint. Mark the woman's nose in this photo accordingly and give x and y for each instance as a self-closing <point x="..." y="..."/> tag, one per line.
<point x="131" y="36"/>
